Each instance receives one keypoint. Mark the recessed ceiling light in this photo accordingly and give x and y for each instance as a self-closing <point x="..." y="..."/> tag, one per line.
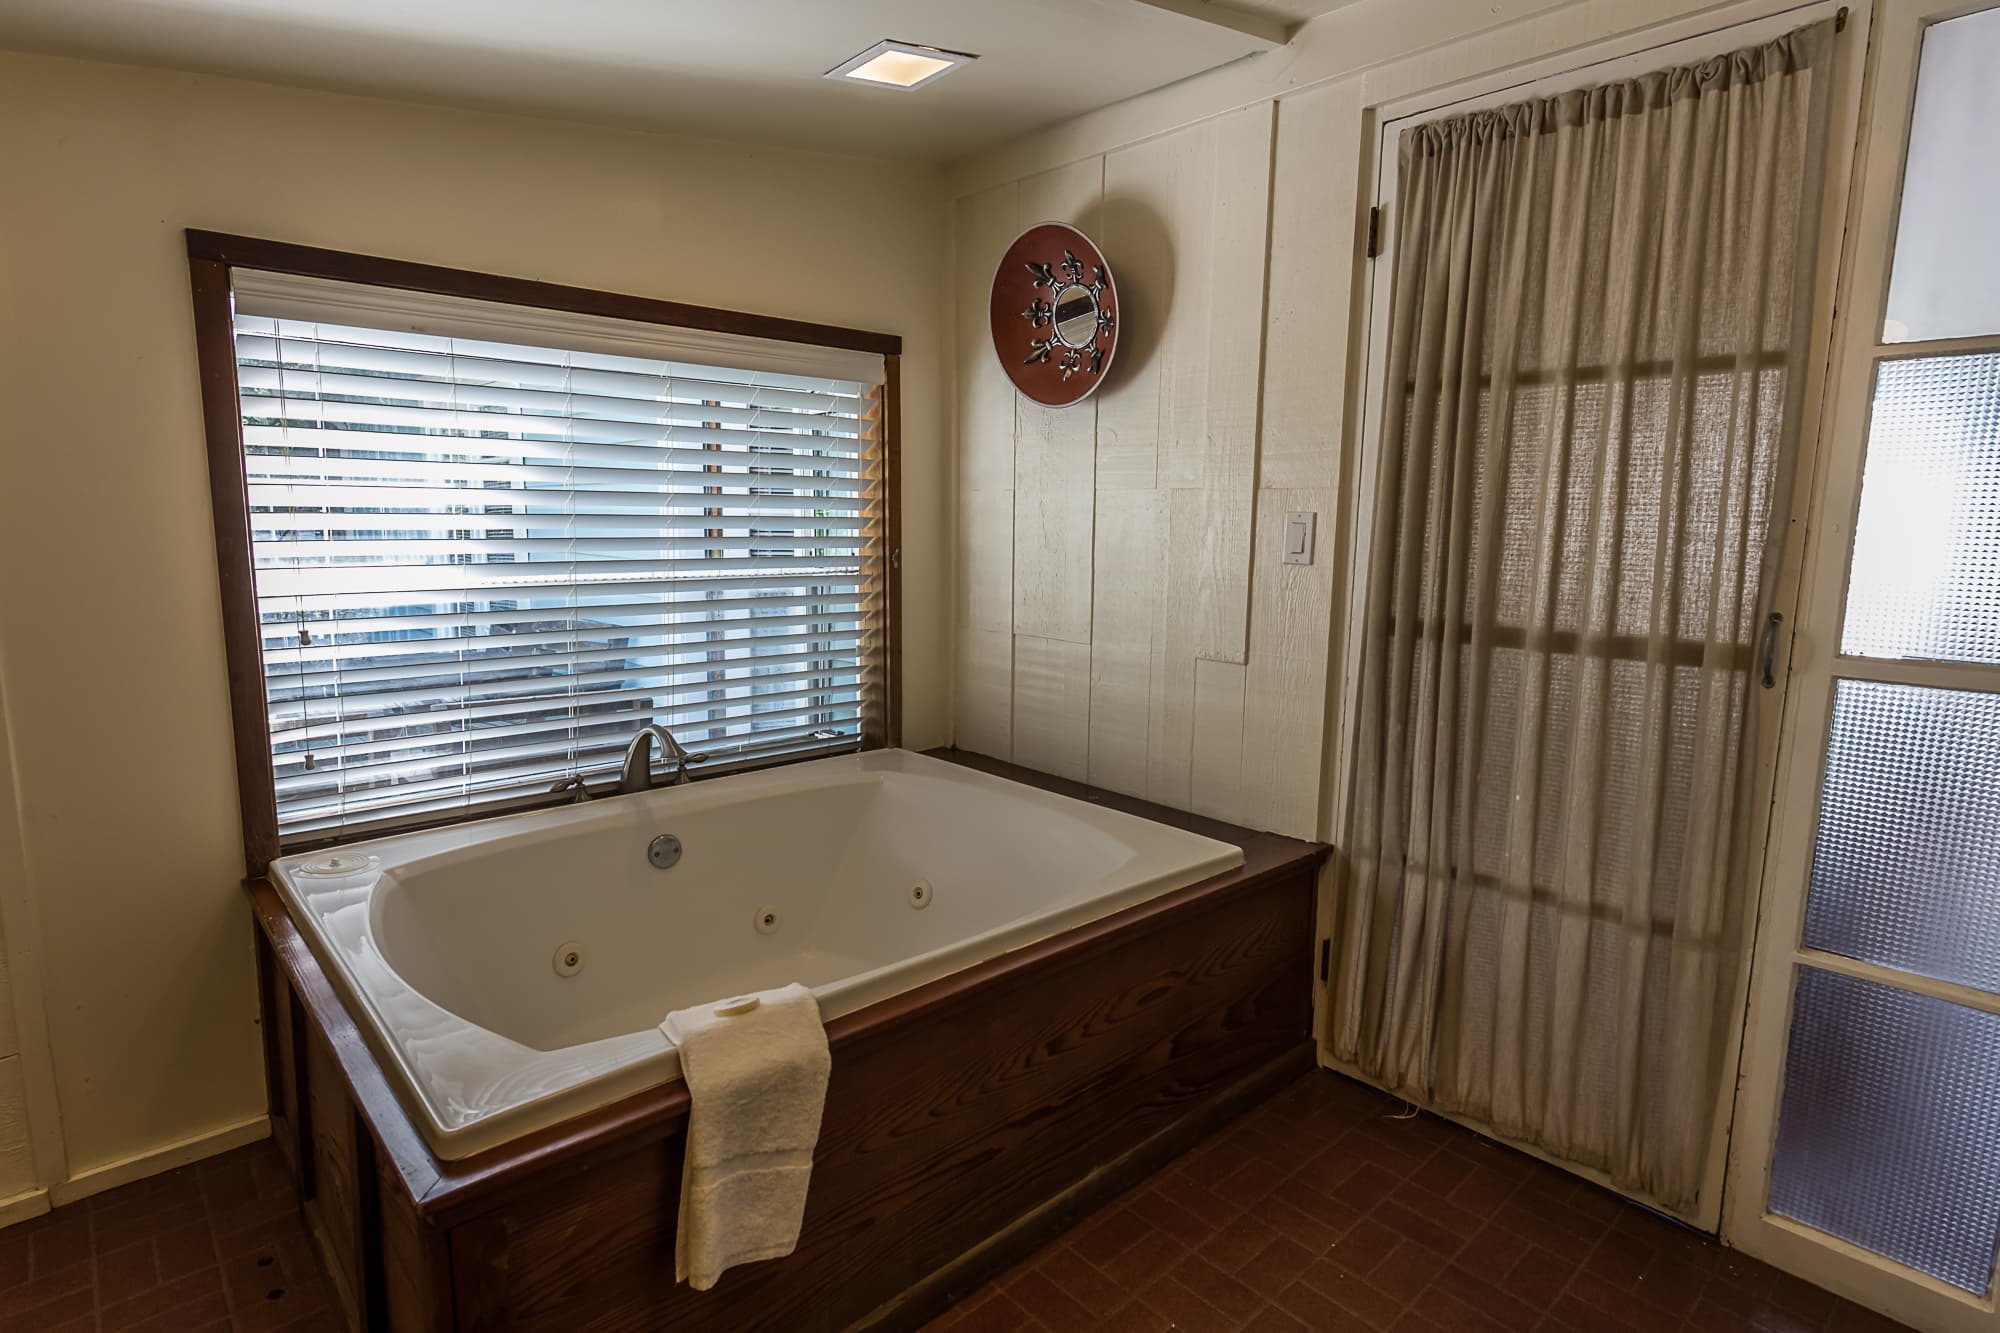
<point x="900" y="65"/>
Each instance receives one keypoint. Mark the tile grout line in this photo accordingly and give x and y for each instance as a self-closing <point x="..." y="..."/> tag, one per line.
<point x="215" y="1246"/>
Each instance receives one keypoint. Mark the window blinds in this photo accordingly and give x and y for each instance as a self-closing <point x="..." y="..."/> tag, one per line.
<point x="490" y="544"/>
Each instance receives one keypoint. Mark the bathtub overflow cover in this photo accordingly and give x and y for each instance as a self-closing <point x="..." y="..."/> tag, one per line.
<point x="664" y="851"/>
<point x="920" y="894"/>
<point x="569" y="958"/>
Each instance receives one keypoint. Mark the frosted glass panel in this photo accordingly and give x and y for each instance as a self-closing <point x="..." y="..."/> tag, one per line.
<point x="1946" y="279"/>
<point x="1906" y="872"/>
<point x="1889" y="1134"/>
<point x="1926" y="576"/>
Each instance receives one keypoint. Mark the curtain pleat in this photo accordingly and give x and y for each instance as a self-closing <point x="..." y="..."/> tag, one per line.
<point x="1594" y="376"/>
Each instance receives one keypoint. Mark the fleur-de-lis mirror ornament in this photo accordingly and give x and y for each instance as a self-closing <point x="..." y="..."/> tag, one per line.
<point x="1054" y="281"/>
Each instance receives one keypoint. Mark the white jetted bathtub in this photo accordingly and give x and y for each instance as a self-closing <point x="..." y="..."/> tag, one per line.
<point x="515" y="970"/>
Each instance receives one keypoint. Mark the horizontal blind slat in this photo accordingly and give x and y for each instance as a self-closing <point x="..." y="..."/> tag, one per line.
<point x="271" y="360"/>
<point x="304" y="723"/>
<point x="555" y="733"/>
<point x="723" y="615"/>
<point x="275" y="450"/>
<point x="426" y="499"/>
<point x="549" y="664"/>
<point x="484" y="384"/>
<point x="326" y="652"/>
<point x="444" y="580"/>
<point x="358" y="817"/>
<point x="441" y="420"/>
<point x="556" y="755"/>
<point x="765" y="587"/>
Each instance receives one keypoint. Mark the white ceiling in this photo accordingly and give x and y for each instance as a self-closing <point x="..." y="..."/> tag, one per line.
<point x="739" y="69"/>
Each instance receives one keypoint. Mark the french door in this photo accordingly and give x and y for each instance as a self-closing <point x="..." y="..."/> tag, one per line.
<point x="1684" y="40"/>
<point x="1866" y="1149"/>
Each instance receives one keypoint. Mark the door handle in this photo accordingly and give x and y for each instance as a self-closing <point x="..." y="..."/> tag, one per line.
<point x="1767" y="652"/>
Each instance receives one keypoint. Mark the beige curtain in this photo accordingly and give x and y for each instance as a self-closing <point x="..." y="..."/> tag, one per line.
<point x="1599" y="317"/>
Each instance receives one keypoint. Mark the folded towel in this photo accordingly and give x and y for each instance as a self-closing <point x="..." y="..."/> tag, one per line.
<point x="756" y="1069"/>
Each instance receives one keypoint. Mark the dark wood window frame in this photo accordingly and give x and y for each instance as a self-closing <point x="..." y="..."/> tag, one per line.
<point x="212" y="256"/>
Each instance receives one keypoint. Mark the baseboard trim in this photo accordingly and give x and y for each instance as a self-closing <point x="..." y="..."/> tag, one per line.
<point x="22" y="1206"/>
<point x="1000" y="1251"/>
<point x="137" y="1167"/>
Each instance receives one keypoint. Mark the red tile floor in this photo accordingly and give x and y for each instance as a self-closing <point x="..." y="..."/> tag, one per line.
<point x="1325" y="1208"/>
<point x="217" y="1245"/>
<point x="1329" y="1208"/>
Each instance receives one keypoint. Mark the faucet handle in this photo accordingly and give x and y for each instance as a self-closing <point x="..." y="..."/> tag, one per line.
<point x="573" y="784"/>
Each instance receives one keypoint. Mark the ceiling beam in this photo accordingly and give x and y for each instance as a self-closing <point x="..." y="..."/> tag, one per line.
<point x="1273" y="33"/>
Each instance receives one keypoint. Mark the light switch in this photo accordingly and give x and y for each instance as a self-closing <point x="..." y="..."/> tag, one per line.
<point x="1299" y="537"/>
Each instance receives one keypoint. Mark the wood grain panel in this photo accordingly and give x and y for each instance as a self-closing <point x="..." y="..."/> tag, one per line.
<point x="17" y="1156"/>
<point x="1052" y="705"/>
<point x="1190" y="181"/>
<point x="1216" y="779"/>
<point x="983" y="692"/>
<point x="1284" y="715"/>
<point x="986" y="223"/>
<point x="1235" y="377"/>
<point x="986" y="560"/>
<point x="1128" y="600"/>
<point x="983" y="648"/>
<point x="333" y="1214"/>
<point x="10" y="1035"/>
<point x="936" y="1135"/>
<point x="1055" y="458"/>
<point x="1142" y="239"/>
<point x="416" y="1262"/>
<point x="1170" y="731"/>
<point x="1314" y="255"/>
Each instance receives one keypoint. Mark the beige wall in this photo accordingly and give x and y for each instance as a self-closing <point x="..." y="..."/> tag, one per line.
<point x="1122" y="614"/>
<point x="113" y="667"/>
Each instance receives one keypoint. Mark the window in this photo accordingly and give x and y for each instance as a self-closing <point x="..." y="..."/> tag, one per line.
<point x="489" y="541"/>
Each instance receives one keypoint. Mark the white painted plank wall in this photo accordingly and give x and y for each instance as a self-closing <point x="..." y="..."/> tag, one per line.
<point x="1055" y="461"/>
<point x="1157" y="645"/>
<point x="983" y="657"/>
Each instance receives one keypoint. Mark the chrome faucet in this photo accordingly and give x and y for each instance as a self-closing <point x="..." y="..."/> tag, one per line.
<point x="637" y="775"/>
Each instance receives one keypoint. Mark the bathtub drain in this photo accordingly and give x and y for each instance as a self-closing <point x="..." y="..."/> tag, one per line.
<point x="569" y="958"/>
<point x="335" y="865"/>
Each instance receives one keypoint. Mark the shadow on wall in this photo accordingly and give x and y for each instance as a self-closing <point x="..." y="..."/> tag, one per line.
<point x="1140" y="250"/>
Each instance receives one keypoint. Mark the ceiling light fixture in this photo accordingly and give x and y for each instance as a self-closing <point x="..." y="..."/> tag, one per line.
<point x="900" y="65"/>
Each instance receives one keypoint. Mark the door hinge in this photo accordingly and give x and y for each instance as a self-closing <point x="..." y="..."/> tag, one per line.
<point x="1325" y="957"/>
<point x="1374" y="231"/>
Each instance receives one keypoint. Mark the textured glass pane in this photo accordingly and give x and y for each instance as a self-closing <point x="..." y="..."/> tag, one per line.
<point x="1889" y="1135"/>
<point x="1926" y="577"/>
<point x="1906" y="872"/>
<point x="1946" y="280"/>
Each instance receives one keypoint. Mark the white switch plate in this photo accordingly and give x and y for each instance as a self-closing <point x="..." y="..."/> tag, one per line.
<point x="1299" y="537"/>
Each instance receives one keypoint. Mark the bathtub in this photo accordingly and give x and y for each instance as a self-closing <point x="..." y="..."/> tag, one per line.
<point x="511" y="973"/>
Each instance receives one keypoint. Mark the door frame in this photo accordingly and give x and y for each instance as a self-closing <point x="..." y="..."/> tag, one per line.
<point x="1676" y="41"/>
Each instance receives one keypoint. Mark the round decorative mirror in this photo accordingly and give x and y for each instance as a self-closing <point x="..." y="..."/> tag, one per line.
<point x="1054" y="314"/>
<point x="1076" y="316"/>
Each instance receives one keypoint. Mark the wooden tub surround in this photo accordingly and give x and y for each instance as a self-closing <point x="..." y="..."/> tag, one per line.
<point x="967" y="1121"/>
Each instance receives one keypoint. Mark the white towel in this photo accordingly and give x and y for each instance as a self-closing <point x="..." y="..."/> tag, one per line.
<point x="757" y="1080"/>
